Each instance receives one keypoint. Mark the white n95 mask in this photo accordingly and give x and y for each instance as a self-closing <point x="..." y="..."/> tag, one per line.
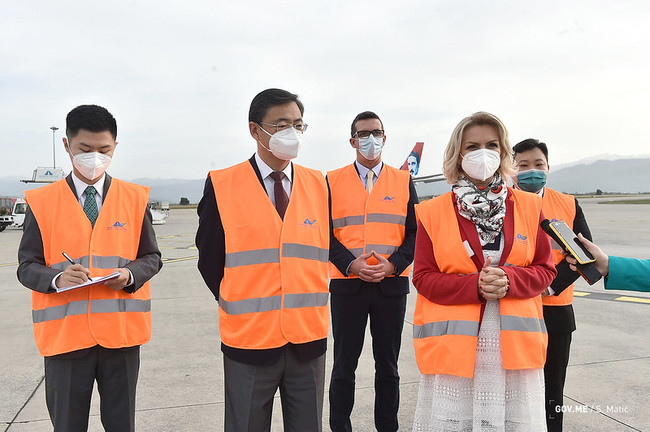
<point x="481" y="164"/>
<point x="284" y="144"/>
<point x="91" y="165"/>
<point x="370" y="147"/>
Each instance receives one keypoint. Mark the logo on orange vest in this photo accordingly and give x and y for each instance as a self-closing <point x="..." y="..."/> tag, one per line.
<point x="522" y="238"/>
<point x="387" y="198"/>
<point x="310" y="223"/>
<point x="117" y="226"/>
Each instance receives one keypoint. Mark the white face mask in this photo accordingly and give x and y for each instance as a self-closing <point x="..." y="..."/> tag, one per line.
<point x="284" y="144"/>
<point x="370" y="147"/>
<point x="91" y="165"/>
<point x="481" y="164"/>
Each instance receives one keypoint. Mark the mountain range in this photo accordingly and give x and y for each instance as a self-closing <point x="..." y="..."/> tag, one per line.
<point x="607" y="173"/>
<point x="623" y="175"/>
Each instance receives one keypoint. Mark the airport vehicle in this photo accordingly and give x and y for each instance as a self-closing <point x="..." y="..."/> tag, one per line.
<point x="12" y="212"/>
<point x="6" y="209"/>
<point x="158" y="214"/>
<point x="45" y="175"/>
<point x="5" y="221"/>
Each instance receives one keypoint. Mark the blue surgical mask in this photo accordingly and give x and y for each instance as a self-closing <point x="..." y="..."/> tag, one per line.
<point x="370" y="147"/>
<point x="532" y="180"/>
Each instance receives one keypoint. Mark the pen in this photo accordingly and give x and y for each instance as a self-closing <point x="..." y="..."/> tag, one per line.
<point x="65" y="255"/>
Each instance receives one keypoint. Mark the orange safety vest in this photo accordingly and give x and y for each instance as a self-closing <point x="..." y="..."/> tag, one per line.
<point x="559" y="206"/>
<point x="93" y="315"/>
<point x="445" y="336"/>
<point x="274" y="289"/>
<point x="365" y="222"/>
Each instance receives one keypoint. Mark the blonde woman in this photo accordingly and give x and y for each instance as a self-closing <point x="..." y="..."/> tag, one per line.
<point x="481" y="262"/>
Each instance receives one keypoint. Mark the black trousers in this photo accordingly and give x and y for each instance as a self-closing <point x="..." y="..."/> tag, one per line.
<point x="557" y="360"/>
<point x="349" y="317"/>
<point x="69" y="381"/>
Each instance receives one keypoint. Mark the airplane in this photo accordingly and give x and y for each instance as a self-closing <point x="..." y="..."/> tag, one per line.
<point x="412" y="164"/>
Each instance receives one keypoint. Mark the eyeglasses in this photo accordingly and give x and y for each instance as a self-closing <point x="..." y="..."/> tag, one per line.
<point x="377" y="133"/>
<point x="302" y="127"/>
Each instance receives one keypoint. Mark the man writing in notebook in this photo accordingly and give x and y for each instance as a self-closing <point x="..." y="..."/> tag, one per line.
<point x="94" y="332"/>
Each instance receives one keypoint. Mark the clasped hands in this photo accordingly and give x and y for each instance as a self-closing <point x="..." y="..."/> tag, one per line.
<point x="372" y="272"/>
<point x="77" y="274"/>
<point x="492" y="282"/>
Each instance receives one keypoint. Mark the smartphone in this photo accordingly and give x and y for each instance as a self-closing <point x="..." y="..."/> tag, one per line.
<point x="571" y="243"/>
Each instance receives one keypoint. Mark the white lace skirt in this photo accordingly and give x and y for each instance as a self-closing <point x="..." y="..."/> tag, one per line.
<point x="494" y="400"/>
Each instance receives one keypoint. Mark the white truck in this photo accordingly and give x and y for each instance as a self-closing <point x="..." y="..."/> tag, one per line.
<point x="12" y="212"/>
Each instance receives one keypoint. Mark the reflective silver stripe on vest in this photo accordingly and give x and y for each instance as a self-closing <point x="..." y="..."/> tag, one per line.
<point x="59" y="312"/>
<point x="381" y="249"/>
<point x="297" y="250"/>
<point x="347" y="220"/>
<point x="442" y="328"/>
<point x="386" y="218"/>
<point x="109" y="262"/>
<point x="61" y="266"/>
<point x="256" y="256"/>
<point x="120" y="305"/>
<point x="292" y="301"/>
<point x="356" y="251"/>
<point x="99" y="261"/>
<point x="517" y="323"/>
<point x="261" y="304"/>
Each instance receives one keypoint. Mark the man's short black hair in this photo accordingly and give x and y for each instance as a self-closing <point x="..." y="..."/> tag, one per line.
<point x="270" y="98"/>
<point x="92" y="118"/>
<point x="529" y="144"/>
<point x="364" y="116"/>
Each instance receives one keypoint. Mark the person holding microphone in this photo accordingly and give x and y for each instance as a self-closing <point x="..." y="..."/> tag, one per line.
<point x="481" y="263"/>
<point x="621" y="273"/>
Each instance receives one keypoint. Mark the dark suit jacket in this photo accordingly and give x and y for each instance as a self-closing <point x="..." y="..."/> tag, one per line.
<point x="35" y="275"/>
<point x="211" y="243"/>
<point x="561" y="319"/>
<point x="341" y="257"/>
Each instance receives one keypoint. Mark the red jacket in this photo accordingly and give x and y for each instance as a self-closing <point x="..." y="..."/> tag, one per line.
<point x="457" y="289"/>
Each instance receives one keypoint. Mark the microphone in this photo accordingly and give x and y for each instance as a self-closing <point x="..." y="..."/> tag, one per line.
<point x="567" y="240"/>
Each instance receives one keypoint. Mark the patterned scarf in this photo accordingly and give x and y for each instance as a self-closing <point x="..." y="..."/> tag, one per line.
<point x="485" y="208"/>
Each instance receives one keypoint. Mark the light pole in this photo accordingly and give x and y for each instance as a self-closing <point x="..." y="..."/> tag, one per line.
<point x="54" y="129"/>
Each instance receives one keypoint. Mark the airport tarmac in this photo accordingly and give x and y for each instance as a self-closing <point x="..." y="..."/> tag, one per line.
<point x="181" y="377"/>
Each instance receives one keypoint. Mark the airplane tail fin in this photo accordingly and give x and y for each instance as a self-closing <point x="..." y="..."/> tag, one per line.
<point x="412" y="162"/>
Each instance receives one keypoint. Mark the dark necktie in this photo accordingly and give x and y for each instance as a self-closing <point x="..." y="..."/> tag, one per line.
<point x="281" y="197"/>
<point x="90" y="205"/>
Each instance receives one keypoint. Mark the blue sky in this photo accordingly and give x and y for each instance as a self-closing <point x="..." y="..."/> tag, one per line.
<point x="179" y="76"/>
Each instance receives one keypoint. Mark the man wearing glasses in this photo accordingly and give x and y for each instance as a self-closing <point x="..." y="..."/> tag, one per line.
<point x="371" y="250"/>
<point x="263" y="242"/>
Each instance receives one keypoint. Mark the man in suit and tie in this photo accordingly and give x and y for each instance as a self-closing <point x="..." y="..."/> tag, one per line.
<point x="263" y="242"/>
<point x="371" y="249"/>
<point x="94" y="332"/>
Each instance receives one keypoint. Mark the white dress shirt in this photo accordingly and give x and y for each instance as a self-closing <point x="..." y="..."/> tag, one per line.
<point x="81" y="186"/>
<point x="363" y="172"/>
<point x="269" y="183"/>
